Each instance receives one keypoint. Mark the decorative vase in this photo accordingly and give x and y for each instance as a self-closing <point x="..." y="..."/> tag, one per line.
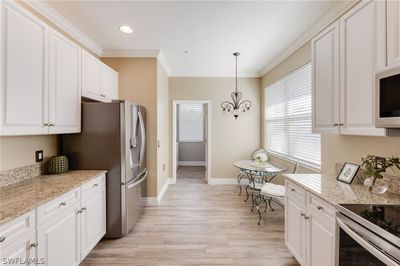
<point x="380" y="186"/>
<point x="57" y="165"/>
<point x="368" y="182"/>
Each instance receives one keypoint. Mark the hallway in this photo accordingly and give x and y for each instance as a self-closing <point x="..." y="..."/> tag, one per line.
<point x="199" y="224"/>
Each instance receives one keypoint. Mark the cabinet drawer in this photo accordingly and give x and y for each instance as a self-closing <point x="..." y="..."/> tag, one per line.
<point x="17" y="228"/>
<point x="57" y="206"/>
<point x="320" y="207"/>
<point x="293" y="190"/>
<point x="93" y="186"/>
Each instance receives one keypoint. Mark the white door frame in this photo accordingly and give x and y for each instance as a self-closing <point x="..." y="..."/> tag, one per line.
<point x="174" y="135"/>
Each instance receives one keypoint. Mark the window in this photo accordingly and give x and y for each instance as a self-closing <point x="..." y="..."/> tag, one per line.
<point x="288" y="119"/>
<point x="191" y="122"/>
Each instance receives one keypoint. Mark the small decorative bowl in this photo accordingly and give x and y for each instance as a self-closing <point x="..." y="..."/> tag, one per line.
<point x="57" y="165"/>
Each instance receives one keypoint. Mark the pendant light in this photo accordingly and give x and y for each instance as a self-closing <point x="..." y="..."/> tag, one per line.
<point x="236" y="106"/>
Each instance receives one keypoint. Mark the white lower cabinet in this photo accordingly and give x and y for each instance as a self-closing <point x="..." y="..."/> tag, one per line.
<point x="59" y="238"/>
<point x="63" y="232"/>
<point x="93" y="224"/>
<point x="20" y="252"/>
<point x="310" y="228"/>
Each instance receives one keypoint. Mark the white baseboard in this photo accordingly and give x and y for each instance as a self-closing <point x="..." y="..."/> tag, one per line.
<point x="226" y="181"/>
<point x="191" y="163"/>
<point x="155" y="201"/>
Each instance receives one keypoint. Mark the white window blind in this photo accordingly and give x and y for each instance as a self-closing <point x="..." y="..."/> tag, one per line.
<point x="288" y="119"/>
<point x="191" y="122"/>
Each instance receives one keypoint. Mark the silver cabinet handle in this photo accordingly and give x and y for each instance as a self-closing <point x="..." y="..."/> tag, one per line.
<point x="341" y="124"/>
<point x="2" y="238"/>
<point x="319" y="208"/>
<point x="52" y="125"/>
<point x="79" y="211"/>
<point x="302" y="214"/>
<point x="34" y="245"/>
<point x="95" y="185"/>
<point x="83" y="209"/>
<point x="336" y="124"/>
<point x="46" y="124"/>
<point x="63" y="203"/>
<point x="293" y="190"/>
<point x="102" y="95"/>
<point x="306" y="217"/>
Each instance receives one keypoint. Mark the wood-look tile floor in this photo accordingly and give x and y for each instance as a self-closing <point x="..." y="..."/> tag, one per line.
<point x="198" y="224"/>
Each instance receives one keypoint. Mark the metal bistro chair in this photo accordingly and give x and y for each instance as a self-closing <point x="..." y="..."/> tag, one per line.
<point x="271" y="191"/>
<point x="245" y="175"/>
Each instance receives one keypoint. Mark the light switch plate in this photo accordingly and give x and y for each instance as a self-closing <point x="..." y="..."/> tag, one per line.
<point x="39" y="156"/>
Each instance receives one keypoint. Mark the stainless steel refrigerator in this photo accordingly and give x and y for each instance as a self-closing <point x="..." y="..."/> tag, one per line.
<point x="113" y="138"/>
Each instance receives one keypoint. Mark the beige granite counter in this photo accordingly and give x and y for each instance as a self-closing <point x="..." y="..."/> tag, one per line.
<point x="335" y="192"/>
<point x="21" y="197"/>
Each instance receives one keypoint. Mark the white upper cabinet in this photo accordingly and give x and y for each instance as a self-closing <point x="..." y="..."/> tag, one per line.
<point x="362" y="49"/>
<point x="345" y="58"/>
<point x="325" y="75"/>
<point x="24" y="53"/>
<point x="109" y="83"/>
<point x="99" y="82"/>
<point x="393" y="33"/>
<point x="91" y="76"/>
<point x="64" y="85"/>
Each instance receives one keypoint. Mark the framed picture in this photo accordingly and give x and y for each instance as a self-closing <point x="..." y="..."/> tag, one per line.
<point x="348" y="173"/>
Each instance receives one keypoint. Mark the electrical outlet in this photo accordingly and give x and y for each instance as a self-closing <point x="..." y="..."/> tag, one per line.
<point x="39" y="156"/>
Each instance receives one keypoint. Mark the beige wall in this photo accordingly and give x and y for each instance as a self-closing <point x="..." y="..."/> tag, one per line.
<point x="334" y="148"/>
<point x="231" y="139"/>
<point x="162" y="127"/>
<point x="20" y="151"/>
<point x="137" y="82"/>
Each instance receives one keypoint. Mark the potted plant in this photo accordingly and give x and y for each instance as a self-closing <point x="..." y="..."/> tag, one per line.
<point x="373" y="167"/>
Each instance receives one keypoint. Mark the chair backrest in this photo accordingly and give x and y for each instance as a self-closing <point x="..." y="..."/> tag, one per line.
<point x="296" y="167"/>
<point x="258" y="151"/>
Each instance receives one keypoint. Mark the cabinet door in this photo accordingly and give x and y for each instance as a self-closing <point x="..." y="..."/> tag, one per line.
<point x="325" y="80"/>
<point x="295" y="228"/>
<point x="23" y="92"/>
<point x="93" y="219"/>
<point x="362" y="38"/>
<point x="107" y="85"/>
<point x="21" y="252"/>
<point x="91" y="75"/>
<point x="393" y="33"/>
<point x="321" y="241"/>
<point x="59" y="239"/>
<point x="65" y="85"/>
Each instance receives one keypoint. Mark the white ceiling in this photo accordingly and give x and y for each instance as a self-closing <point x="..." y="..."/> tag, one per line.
<point x="211" y="31"/>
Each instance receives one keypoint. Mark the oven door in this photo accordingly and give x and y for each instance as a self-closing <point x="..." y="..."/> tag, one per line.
<point x="360" y="246"/>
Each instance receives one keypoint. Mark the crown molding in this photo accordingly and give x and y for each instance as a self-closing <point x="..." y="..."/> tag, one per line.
<point x="317" y="27"/>
<point x="240" y="75"/>
<point x="52" y="15"/>
<point x="140" y="53"/>
<point x="163" y="63"/>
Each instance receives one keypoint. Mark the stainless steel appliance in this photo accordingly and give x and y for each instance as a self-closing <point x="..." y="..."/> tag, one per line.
<point x="388" y="98"/>
<point x="113" y="138"/>
<point x="369" y="234"/>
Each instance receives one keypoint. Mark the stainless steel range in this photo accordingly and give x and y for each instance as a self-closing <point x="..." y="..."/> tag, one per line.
<point x="369" y="234"/>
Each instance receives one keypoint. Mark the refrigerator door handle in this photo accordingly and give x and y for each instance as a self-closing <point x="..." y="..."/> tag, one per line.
<point x="143" y="133"/>
<point x="136" y="183"/>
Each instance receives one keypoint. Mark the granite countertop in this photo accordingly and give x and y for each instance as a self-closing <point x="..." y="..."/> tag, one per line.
<point x="336" y="192"/>
<point x="19" y="198"/>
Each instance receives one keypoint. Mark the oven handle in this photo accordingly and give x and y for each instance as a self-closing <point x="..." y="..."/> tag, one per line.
<point x="343" y="221"/>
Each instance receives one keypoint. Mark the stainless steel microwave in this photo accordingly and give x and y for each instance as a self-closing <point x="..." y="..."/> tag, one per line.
<point x="388" y="98"/>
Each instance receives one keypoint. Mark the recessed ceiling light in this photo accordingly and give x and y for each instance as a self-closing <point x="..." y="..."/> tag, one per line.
<point x="125" y="29"/>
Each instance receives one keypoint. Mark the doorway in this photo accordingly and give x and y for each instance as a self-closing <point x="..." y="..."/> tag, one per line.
<point x="191" y="141"/>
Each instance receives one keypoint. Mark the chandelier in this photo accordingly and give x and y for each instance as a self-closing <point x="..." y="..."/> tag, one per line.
<point x="236" y="106"/>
